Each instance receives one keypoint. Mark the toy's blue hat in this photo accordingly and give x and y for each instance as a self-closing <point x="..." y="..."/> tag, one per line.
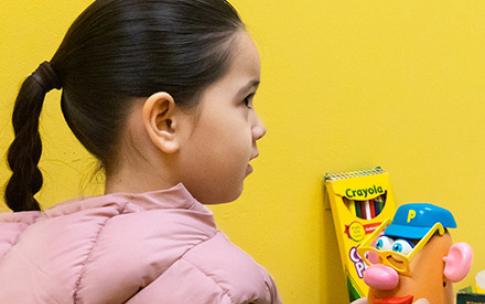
<point x="413" y="221"/>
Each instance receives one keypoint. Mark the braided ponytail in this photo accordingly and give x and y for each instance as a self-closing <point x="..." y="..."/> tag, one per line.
<point x="25" y="151"/>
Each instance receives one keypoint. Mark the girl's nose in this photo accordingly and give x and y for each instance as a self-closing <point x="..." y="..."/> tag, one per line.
<point x="258" y="130"/>
<point x="381" y="277"/>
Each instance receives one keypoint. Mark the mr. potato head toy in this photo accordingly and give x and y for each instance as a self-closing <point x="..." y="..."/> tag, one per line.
<point x="413" y="260"/>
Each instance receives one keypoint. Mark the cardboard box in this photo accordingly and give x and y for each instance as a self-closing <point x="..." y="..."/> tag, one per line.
<point x="466" y="296"/>
<point x="360" y="201"/>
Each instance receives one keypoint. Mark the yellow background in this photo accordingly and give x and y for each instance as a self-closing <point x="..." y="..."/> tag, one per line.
<point x="346" y="85"/>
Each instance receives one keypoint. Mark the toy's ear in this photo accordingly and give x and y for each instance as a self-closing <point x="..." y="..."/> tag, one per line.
<point x="458" y="262"/>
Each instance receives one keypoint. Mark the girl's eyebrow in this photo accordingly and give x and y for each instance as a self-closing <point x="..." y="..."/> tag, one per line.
<point x="249" y="85"/>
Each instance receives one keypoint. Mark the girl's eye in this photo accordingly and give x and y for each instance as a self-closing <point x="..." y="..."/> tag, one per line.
<point x="402" y="246"/>
<point x="248" y="101"/>
<point x="384" y="243"/>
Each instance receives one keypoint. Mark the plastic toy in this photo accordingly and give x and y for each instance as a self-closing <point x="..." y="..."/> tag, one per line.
<point x="413" y="260"/>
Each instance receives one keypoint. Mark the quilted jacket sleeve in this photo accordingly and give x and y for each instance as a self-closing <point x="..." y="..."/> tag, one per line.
<point x="195" y="287"/>
<point x="214" y="272"/>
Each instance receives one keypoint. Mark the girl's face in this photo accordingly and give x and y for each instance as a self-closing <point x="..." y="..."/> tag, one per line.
<point x="215" y="153"/>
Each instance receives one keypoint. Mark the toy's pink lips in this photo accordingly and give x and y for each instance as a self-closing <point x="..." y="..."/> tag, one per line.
<point x="395" y="300"/>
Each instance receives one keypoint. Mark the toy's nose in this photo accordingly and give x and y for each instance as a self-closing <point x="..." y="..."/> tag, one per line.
<point x="381" y="277"/>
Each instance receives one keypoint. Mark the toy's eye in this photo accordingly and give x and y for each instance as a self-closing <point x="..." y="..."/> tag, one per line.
<point x="384" y="243"/>
<point x="402" y="247"/>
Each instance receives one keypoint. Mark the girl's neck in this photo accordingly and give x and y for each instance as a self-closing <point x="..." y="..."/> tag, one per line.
<point x="137" y="181"/>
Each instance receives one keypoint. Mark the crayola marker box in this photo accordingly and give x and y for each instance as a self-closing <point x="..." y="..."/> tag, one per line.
<point x="360" y="201"/>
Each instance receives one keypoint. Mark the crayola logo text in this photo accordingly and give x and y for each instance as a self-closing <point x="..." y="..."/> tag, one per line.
<point x="351" y="193"/>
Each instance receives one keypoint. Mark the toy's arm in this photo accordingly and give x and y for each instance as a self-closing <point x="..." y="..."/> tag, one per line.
<point x="360" y="301"/>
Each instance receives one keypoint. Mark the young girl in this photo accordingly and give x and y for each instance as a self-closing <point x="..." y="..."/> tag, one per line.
<point x="160" y="91"/>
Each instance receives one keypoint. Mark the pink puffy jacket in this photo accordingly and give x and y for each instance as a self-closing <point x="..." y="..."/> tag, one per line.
<point x="153" y="247"/>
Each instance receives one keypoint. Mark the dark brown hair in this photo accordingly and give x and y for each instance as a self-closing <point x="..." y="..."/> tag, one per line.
<point x="115" y="51"/>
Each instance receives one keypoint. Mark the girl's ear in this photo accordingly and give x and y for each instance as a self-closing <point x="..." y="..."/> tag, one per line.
<point x="160" y="122"/>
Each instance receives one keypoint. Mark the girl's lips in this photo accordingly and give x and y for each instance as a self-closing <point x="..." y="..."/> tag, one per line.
<point x="394" y="300"/>
<point x="249" y="169"/>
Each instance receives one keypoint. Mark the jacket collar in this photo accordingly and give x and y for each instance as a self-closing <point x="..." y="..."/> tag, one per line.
<point x="177" y="197"/>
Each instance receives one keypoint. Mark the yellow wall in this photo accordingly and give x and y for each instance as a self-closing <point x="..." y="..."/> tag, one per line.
<point x="346" y="85"/>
